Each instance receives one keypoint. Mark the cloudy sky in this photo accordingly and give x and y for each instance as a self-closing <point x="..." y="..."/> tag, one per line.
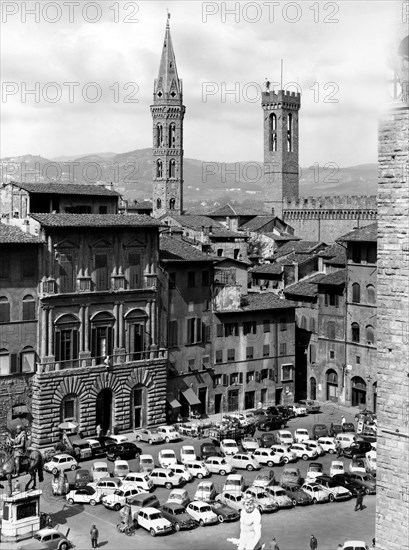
<point x="110" y="51"/>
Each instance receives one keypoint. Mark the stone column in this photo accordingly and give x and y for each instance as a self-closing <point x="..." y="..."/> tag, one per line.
<point x="50" y="332"/>
<point x="43" y="329"/>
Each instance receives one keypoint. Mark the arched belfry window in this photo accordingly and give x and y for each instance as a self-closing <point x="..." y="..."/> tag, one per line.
<point x="159" y="168"/>
<point x="172" y="204"/>
<point x="158" y="204"/>
<point x="172" y="136"/>
<point x="289" y="132"/>
<point x="273" y="132"/>
<point x="159" y="135"/>
<point x="172" y="168"/>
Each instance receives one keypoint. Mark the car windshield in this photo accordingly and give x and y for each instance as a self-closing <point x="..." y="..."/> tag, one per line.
<point x="189" y="451"/>
<point x="155" y="516"/>
<point x="37" y="537"/>
<point x="205" y="509"/>
<point x="230" y="444"/>
<point x="101" y="469"/>
<point x="121" y="467"/>
<point x="279" y="493"/>
<point x="119" y="492"/>
<point x="168" y="455"/>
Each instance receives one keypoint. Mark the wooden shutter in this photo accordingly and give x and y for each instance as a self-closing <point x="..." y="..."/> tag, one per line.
<point x="257" y="376"/>
<point x="14" y="363"/>
<point x="240" y="378"/>
<point x="198" y="330"/>
<point x="225" y="380"/>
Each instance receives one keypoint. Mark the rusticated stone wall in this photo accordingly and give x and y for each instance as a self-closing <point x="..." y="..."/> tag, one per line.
<point x="392" y="502"/>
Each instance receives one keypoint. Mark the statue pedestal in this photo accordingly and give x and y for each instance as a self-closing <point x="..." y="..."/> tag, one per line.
<point x="21" y="515"/>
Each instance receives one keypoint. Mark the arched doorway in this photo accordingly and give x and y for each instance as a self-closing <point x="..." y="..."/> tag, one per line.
<point x="332" y="385"/>
<point x="358" y="394"/>
<point x="313" y="388"/>
<point x="103" y="415"/>
<point x="138" y="406"/>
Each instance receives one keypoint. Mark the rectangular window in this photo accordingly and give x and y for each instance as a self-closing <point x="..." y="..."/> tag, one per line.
<point x="191" y="279"/>
<point x="29" y="309"/>
<point x="4" y="310"/>
<point x="206" y="362"/>
<point x="4" y="364"/>
<point x="220" y="251"/>
<point x="283" y="348"/>
<point x="249" y="327"/>
<point x="101" y="272"/>
<point x="219" y="330"/>
<point x="263" y="397"/>
<point x="205" y="278"/>
<point x="194" y="330"/>
<point x="331" y="354"/>
<point x="173" y="333"/>
<point x="287" y="372"/>
<point x="135" y="270"/>
<point x="332" y="299"/>
<point x="266" y="350"/>
<point x="313" y="353"/>
<point x="266" y="325"/>
<point x="283" y="324"/>
<point x="69" y="407"/>
<point x="249" y="352"/>
<point x="231" y="329"/>
<point x="27" y="359"/>
<point x="358" y="359"/>
<point x="67" y="273"/>
<point x="172" y="280"/>
<point x="219" y="356"/>
<point x="236" y="378"/>
<point x="231" y="355"/>
<point x="218" y="380"/>
<point x="263" y="374"/>
<point x="192" y="365"/>
<point x="250" y="376"/>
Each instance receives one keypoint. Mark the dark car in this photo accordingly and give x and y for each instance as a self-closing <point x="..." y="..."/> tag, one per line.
<point x="267" y="439"/>
<point x="351" y="484"/>
<point x="123" y="451"/>
<point x="365" y="415"/>
<point x="82" y="478"/>
<point x="223" y="512"/>
<point x="335" y="429"/>
<point x="106" y="442"/>
<point x="178" y="517"/>
<point x="319" y="430"/>
<point x="268" y="423"/>
<point x="208" y="449"/>
<point x="358" y="449"/>
<point x="286" y="412"/>
<point x="348" y="427"/>
<point x="297" y="495"/>
<point x="312" y="406"/>
<point x="366" y="481"/>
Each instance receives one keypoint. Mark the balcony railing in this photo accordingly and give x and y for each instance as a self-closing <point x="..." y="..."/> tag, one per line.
<point x="104" y="361"/>
<point x="86" y="284"/>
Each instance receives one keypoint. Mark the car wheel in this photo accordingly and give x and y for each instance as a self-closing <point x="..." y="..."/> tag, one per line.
<point x="54" y="471"/>
<point x="93" y="502"/>
<point x="314" y="501"/>
<point x="63" y="546"/>
<point x="177" y="526"/>
<point x="117" y="507"/>
<point x="201" y="522"/>
<point x="305" y="457"/>
<point x="152" y="532"/>
<point x="250" y="467"/>
<point x="199" y="476"/>
<point x="138" y="438"/>
<point x="167" y="440"/>
<point x="73" y="467"/>
<point x="285" y="460"/>
<point x="150" y="441"/>
<point x="168" y="485"/>
<point x="270" y="464"/>
<point x="220" y="518"/>
<point x="294" y="502"/>
<point x="331" y="451"/>
<point x="71" y="500"/>
<point x="331" y="498"/>
<point x="222" y="472"/>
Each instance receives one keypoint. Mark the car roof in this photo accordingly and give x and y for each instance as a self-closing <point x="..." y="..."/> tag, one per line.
<point x="116" y="479"/>
<point x="62" y="455"/>
<point x="49" y="531"/>
<point x="99" y="464"/>
<point x="149" y="509"/>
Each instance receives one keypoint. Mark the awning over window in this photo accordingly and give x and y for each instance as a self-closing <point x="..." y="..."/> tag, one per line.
<point x="174" y="403"/>
<point x="191" y="397"/>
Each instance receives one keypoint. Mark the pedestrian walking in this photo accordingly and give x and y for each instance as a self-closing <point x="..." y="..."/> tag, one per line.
<point x="99" y="430"/>
<point x="343" y="421"/>
<point x="359" y="501"/>
<point x="338" y="447"/>
<point x="94" y="536"/>
<point x="313" y="543"/>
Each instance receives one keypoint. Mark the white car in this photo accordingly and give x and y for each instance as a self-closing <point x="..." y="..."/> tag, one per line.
<point x="337" y="492"/>
<point x="229" y="447"/>
<point x="284" y="437"/>
<point x="262" y="499"/>
<point x="152" y="520"/>
<point x="121" y="468"/>
<point x="279" y="496"/>
<point x="181" y="470"/>
<point x="288" y="456"/>
<point x="60" y="462"/>
<point x="355" y="545"/>
<point x="120" y="438"/>
<point x="187" y="454"/>
<point x="234" y="484"/>
<point x="299" y="410"/>
<point x="312" y="444"/>
<point x="169" y="433"/>
<point x="244" y="418"/>
<point x="267" y="456"/>
<point x="327" y="443"/>
<point x="202" y="513"/>
<point x="301" y="435"/>
<point x="232" y="499"/>
<point x="249" y="444"/>
<point x="244" y="461"/>
<point x="166" y="458"/>
<point x="99" y="470"/>
<point x="166" y="478"/>
<point x="116" y="500"/>
<point x="357" y="466"/>
<point x="197" y="468"/>
<point x="337" y="467"/>
<point x="317" y="492"/>
<point x="84" y="495"/>
<point x="218" y="465"/>
<point x="140" y="479"/>
<point x="302" y="451"/>
<point x="205" y="491"/>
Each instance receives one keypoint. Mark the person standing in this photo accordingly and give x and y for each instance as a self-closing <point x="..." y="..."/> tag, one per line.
<point x="99" y="430"/>
<point x="94" y="536"/>
<point x="343" y="421"/>
<point x="313" y="543"/>
<point x="359" y="505"/>
<point x="338" y="448"/>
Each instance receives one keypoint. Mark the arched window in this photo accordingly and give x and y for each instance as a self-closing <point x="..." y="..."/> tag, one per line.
<point x="29" y="308"/>
<point x="159" y="168"/>
<point x="370" y="292"/>
<point x="331" y="330"/>
<point x="289" y="132"/>
<point x="69" y="408"/>
<point x="356" y="293"/>
<point x="4" y="310"/>
<point x="159" y="135"/>
<point x="67" y="340"/>
<point x="27" y="359"/>
<point x="370" y="335"/>
<point x="313" y="388"/>
<point x="355" y="332"/>
<point x="172" y="168"/>
<point x="158" y="204"/>
<point x="102" y="334"/>
<point x="172" y="136"/>
<point x="172" y="203"/>
<point x="312" y="324"/>
<point x="273" y="132"/>
<point x="138" y="338"/>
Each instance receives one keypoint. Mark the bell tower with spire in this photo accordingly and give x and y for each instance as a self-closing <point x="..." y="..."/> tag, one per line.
<point x="167" y="115"/>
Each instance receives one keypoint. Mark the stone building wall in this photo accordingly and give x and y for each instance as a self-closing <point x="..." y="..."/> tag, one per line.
<point x="392" y="501"/>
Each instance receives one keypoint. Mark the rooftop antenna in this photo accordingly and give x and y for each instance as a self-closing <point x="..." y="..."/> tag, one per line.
<point x="281" y="74"/>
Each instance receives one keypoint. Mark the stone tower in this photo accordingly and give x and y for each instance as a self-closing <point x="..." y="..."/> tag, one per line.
<point x="167" y="116"/>
<point x="281" y="175"/>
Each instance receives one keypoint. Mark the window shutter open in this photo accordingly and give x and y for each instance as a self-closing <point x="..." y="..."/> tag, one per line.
<point x="14" y="364"/>
<point x="240" y="378"/>
<point x="225" y="380"/>
<point x="257" y="376"/>
<point x="198" y="330"/>
<point x="271" y="374"/>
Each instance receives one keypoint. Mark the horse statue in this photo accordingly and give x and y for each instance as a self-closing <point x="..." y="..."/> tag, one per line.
<point x="31" y="462"/>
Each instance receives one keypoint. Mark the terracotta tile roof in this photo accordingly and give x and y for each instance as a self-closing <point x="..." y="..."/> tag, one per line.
<point x="257" y="223"/>
<point x="10" y="234"/>
<point x="177" y="250"/>
<point x="261" y="301"/>
<point x="336" y="254"/>
<point x="337" y="278"/>
<point x="95" y="220"/>
<point x="283" y="237"/>
<point x="196" y="222"/>
<point x="233" y="211"/>
<point x="66" y="189"/>
<point x="298" y="247"/>
<point x="369" y="233"/>
<point x="302" y="288"/>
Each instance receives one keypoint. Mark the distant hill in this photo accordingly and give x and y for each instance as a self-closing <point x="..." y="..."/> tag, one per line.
<point x="205" y="182"/>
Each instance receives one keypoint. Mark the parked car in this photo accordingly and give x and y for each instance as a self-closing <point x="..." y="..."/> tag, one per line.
<point x="229" y="447"/>
<point x="165" y="477"/>
<point x="367" y="482"/>
<point x="348" y="427"/>
<point x="244" y="461"/>
<point x="181" y="470"/>
<point x="179" y="496"/>
<point x="351" y="484"/>
<point x="61" y="462"/>
<point x="312" y="406"/>
<point x="177" y="516"/>
<point x="121" y="468"/>
<point x="263" y="478"/>
<point x="355" y="545"/>
<point x="208" y="449"/>
<point x="143" y="500"/>
<point x="279" y="496"/>
<point x="297" y="495"/>
<point x="82" y="478"/>
<point x="299" y="410"/>
<point x="312" y="444"/>
<point x="166" y="458"/>
<point x="146" y="463"/>
<point x="286" y="412"/>
<point x="232" y="499"/>
<point x="284" y="437"/>
<point x="234" y="484"/>
<point x="218" y="465"/>
<point x="106" y="485"/>
<point x="262" y="499"/>
<point x="96" y="448"/>
<point x="337" y="467"/>
<point x="327" y="443"/>
<point x="366" y="415"/>
<point x="303" y="451"/>
<point x="197" y="468"/>
<point x="358" y="449"/>
<point x="284" y="452"/>
<point x="81" y="449"/>
<point x="267" y="457"/>
<point x="140" y="479"/>
<point x="357" y="466"/>
<point x="338" y="491"/>
<point x="301" y="435"/>
<point x="205" y="491"/>
<point x="320" y="430"/>
<point x="169" y="433"/>
<point x="116" y="500"/>
<point x="335" y="429"/>
<point x="202" y="513"/>
<point x="99" y="470"/>
<point x="120" y="438"/>
<point x="123" y="451"/>
<point x="187" y="454"/>
<point x="267" y="440"/>
<point x="317" y="492"/>
<point x="150" y="436"/>
<point x="84" y="495"/>
<point x="268" y="422"/>
<point x="47" y="539"/>
<point x="106" y="442"/>
<point x="152" y="520"/>
<point x="315" y="470"/>
<point x="290" y="476"/>
<point x="345" y="440"/>
<point x="223" y="511"/>
<point x="249" y="444"/>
